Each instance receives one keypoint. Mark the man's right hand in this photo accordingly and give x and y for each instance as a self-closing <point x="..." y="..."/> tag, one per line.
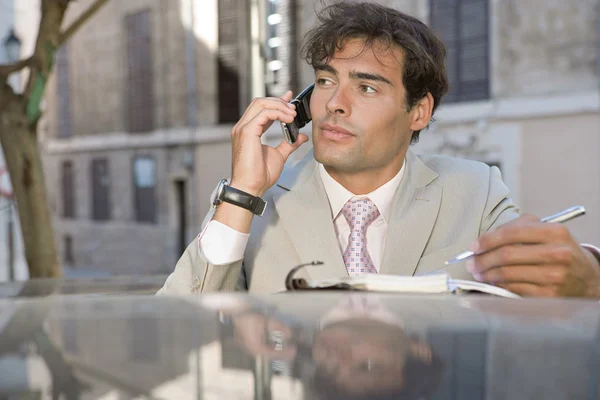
<point x="255" y="166"/>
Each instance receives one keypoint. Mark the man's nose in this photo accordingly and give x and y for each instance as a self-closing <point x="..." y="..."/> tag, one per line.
<point x="339" y="102"/>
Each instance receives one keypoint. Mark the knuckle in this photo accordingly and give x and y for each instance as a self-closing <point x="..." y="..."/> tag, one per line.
<point x="563" y="255"/>
<point x="505" y="255"/>
<point x="559" y="232"/>
<point x="510" y="232"/>
<point x="500" y="274"/>
<point x="556" y="275"/>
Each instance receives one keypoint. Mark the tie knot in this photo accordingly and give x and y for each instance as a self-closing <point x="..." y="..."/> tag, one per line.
<point x="360" y="213"/>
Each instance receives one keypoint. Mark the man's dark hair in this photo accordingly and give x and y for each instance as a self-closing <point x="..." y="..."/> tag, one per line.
<point x="421" y="381"/>
<point x="424" y="53"/>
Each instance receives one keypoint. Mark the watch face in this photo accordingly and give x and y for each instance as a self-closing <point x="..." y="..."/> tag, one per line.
<point x="219" y="192"/>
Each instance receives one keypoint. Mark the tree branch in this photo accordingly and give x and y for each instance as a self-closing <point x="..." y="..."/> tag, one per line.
<point x="64" y="36"/>
<point x="8" y="69"/>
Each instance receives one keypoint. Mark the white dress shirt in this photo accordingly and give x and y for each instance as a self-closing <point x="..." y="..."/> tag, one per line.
<point x="219" y="244"/>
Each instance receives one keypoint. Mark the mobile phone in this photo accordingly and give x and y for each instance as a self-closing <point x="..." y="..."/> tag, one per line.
<point x="303" y="117"/>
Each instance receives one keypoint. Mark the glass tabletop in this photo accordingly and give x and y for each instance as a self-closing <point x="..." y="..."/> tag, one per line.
<point x="297" y="346"/>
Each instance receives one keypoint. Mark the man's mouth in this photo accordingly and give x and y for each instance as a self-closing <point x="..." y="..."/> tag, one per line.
<point x="335" y="132"/>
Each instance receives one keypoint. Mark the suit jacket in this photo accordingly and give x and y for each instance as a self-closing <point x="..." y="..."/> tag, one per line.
<point x="441" y="205"/>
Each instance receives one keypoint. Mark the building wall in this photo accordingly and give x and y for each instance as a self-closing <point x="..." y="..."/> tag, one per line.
<point x="544" y="47"/>
<point x="98" y="77"/>
<point x="561" y="169"/>
<point x="122" y="245"/>
<point x="98" y="88"/>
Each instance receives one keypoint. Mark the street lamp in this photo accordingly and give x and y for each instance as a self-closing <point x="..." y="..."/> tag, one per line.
<point x="12" y="46"/>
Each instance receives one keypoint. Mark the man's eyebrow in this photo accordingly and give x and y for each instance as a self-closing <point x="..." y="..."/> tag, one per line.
<point x="326" y="68"/>
<point x="354" y="74"/>
<point x="370" y="77"/>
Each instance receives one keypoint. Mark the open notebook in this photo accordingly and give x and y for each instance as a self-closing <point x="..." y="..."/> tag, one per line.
<point x="438" y="283"/>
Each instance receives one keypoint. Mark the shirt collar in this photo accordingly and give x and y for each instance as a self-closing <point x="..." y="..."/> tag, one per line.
<point x="339" y="195"/>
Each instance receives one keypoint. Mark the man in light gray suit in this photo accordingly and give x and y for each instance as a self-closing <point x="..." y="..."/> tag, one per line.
<point x="362" y="202"/>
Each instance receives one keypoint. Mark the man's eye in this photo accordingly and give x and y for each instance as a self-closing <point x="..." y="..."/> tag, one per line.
<point x="367" y="89"/>
<point x="323" y="82"/>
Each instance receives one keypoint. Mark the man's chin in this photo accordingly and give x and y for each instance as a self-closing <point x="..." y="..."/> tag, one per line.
<point x="335" y="159"/>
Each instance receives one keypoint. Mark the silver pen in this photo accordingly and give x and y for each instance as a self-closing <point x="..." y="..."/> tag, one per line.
<point x="563" y="216"/>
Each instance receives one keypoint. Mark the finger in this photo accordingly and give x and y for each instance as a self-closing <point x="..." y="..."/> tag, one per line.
<point x="515" y="254"/>
<point x="265" y="104"/>
<point x="524" y="232"/>
<point x="286" y="149"/>
<point x="287" y="96"/>
<point x="263" y="120"/>
<point x="531" y="290"/>
<point x="542" y="275"/>
<point x="270" y="103"/>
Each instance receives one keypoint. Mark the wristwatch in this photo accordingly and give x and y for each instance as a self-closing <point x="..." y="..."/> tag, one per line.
<point x="228" y="194"/>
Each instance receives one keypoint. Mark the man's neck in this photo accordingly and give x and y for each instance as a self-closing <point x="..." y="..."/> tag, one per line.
<point x="364" y="182"/>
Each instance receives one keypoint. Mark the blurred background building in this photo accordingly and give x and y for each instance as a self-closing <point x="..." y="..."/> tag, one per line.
<point x="142" y="101"/>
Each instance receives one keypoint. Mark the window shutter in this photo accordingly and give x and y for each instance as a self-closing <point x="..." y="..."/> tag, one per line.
<point x="144" y="176"/>
<point x="68" y="192"/>
<point x="140" y="77"/>
<point x="463" y="25"/>
<point x="100" y="190"/>
<point x="228" y="57"/>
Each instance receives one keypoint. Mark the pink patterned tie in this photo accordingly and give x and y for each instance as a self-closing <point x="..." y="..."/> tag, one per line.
<point x="359" y="213"/>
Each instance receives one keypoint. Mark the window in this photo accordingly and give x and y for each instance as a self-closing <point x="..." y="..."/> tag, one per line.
<point x="68" y="250"/>
<point x="144" y="179"/>
<point x="68" y="192"/>
<point x="63" y="93"/>
<point x="229" y="53"/>
<point x="100" y="190"/>
<point x="463" y="25"/>
<point x="140" y="78"/>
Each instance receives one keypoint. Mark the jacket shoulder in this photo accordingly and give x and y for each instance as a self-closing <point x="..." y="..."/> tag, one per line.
<point x="458" y="171"/>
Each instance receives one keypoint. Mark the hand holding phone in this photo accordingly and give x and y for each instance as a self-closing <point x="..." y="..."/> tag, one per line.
<point x="303" y="117"/>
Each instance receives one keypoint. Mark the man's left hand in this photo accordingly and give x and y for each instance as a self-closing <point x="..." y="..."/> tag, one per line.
<point x="533" y="258"/>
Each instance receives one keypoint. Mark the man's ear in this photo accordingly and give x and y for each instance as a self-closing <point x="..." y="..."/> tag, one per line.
<point x="421" y="113"/>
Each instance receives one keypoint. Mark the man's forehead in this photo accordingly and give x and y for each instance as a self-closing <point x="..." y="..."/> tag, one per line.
<point x="388" y="55"/>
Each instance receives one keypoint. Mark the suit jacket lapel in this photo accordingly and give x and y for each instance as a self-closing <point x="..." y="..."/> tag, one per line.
<point x="306" y="215"/>
<point x="414" y="212"/>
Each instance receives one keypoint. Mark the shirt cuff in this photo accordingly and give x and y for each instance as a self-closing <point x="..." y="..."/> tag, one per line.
<point x="220" y="245"/>
<point x="592" y="249"/>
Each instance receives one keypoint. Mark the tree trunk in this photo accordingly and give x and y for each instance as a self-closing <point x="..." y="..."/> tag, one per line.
<point x="18" y="138"/>
<point x="19" y="116"/>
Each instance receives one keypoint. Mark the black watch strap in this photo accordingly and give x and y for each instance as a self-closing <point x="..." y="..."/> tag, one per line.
<point x="245" y="200"/>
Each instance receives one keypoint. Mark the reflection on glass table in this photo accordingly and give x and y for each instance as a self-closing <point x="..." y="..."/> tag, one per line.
<point x="298" y="346"/>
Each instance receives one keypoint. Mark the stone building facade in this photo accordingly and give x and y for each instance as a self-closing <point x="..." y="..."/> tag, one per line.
<point x="141" y="105"/>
